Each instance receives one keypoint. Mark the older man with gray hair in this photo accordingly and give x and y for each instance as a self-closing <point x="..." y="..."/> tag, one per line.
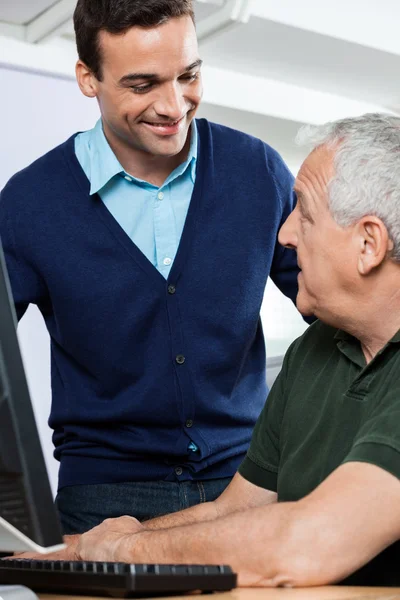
<point x="317" y="498"/>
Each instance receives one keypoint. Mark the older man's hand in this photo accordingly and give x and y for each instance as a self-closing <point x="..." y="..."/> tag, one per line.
<point x="111" y="541"/>
<point x="103" y="543"/>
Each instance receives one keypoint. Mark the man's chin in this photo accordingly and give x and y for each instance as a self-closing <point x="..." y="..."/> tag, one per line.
<point x="304" y="307"/>
<point x="166" y="147"/>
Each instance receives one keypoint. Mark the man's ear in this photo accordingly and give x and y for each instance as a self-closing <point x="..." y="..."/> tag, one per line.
<point x="86" y="80"/>
<point x="374" y="243"/>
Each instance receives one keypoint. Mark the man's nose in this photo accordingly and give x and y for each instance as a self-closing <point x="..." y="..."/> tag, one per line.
<point x="287" y="235"/>
<point x="171" y="103"/>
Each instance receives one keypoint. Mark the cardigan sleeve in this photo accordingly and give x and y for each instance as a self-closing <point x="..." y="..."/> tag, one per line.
<point x="26" y="283"/>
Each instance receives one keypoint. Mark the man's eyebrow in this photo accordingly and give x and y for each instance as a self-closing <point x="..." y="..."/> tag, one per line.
<point x="197" y="63"/>
<point x="300" y="197"/>
<point x="303" y="204"/>
<point x="132" y="77"/>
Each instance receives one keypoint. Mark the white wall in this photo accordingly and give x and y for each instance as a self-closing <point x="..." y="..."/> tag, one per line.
<point x="38" y="112"/>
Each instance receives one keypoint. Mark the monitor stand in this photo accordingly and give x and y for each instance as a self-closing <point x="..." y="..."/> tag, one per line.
<point x="12" y="540"/>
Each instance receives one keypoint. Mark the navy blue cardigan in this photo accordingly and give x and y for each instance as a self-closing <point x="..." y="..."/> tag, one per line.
<point x="141" y="366"/>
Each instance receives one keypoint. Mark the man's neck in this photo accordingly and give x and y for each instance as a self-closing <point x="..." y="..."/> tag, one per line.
<point x="378" y="319"/>
<point x="143" y="165"/>
<point x="372" y="345"/>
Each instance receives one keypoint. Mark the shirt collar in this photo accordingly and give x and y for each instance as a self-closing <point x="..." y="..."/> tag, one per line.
<point x="191" y="160"/>
<point x="343" y="335"/>
<point x="104" y="165"/>
<point x="396" y="338"/>
<point x="192" y="157"/>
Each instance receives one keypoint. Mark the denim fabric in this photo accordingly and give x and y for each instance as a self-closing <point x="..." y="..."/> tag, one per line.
<point x="82" y="507"/>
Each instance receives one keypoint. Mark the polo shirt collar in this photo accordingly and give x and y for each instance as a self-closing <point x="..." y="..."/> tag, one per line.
<point x="343" y="335"/>
<point x="396" y="338"/>
<point x="350" y="346"/>
<point x="104" y="165"/>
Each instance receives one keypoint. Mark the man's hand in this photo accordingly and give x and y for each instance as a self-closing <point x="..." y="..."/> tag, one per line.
<point x="103" y="543"/>
<point x="106" y="542"/>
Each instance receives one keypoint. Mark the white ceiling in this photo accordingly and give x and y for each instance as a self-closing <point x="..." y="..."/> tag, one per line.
<point x="268" y="49"/>
<point x="21" y="12"/>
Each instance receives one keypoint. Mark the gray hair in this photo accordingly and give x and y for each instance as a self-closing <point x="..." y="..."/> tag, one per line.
<point x="367" y="169"/>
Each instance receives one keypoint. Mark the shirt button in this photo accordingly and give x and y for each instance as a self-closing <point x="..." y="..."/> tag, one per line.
<point x="160" y="196"/>
<point x="178" y="470"/>
<point x="171" y="289"/>
<point x="189" y="423"/>
<point x="128" y="178"/>
<point x="180" y="359"/>
<point x="167" y="261"/>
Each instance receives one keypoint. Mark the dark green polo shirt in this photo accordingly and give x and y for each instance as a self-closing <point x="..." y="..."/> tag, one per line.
<point x="328" y="407"/>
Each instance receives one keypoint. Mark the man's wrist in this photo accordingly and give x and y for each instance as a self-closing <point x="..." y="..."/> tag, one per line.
<point x="133" y="547"/>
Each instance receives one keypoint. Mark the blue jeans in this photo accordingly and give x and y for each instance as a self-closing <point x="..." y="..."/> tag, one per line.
<point x="81" y="507"/>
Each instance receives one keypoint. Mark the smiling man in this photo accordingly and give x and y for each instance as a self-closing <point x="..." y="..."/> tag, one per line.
<point x="148" y="84"/>
<point x="146" y="243"/>
<point x="317" y="498"/>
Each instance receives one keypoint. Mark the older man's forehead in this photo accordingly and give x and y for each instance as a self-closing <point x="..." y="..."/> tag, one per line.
<point x="321" y="157"/>
<point x="317" y="169"/>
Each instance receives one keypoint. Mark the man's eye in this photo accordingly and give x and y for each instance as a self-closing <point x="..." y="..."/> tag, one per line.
<point x="191" y="76"/>
<point x="306" y="218"/>
<point x="140" y="89"/>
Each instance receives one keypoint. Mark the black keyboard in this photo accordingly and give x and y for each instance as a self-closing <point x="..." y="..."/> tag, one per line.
<point x="114" y="579"/>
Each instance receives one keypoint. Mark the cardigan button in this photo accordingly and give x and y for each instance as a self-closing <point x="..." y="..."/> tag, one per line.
<point x="189" y="423"/>
<point x="178" y="470"/>
<point x="171" y="289"/>
<point x="180" y="359"/>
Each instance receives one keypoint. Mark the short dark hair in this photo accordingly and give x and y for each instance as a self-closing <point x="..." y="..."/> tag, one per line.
<point x="117" y="16"/>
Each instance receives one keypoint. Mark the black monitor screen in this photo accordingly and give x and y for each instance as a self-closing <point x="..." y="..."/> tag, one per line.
<point x="28" y="518"/>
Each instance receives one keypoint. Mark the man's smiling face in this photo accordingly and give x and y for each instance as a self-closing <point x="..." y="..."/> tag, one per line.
<point x="151" y="86"/>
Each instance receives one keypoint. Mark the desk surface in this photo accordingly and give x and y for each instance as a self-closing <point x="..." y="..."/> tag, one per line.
<point x="317" y="593"/>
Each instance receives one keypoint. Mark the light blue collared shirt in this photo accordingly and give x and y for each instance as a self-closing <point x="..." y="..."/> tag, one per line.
<point x="152" y="217"/>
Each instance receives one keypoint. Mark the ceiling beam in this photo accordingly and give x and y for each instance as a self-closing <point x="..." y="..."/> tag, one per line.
<point x="372" y="23"/>
<point x="232" y="14"/>
<point x="49" y="22"/>
<point x="50" y="59"/>
<point x="278" y="99"/>
<point x="12" y="30"/>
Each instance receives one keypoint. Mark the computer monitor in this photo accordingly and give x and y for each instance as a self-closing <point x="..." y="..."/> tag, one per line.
<point x="28" y="517"/>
